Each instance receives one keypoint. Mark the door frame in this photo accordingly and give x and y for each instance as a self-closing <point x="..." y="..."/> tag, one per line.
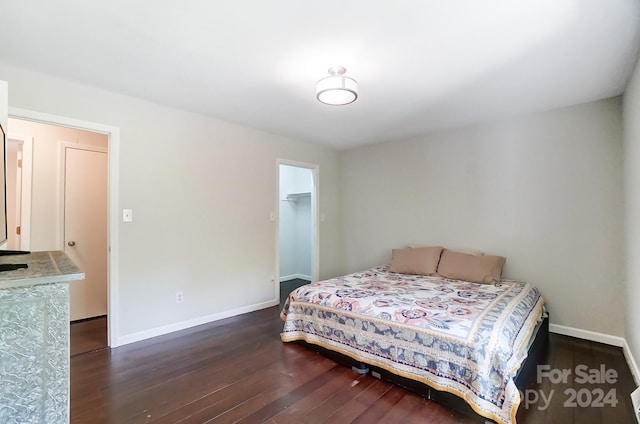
<point x="27" y="183"/>
<point x="315" y="219"/>
<point x="113" y="143"/>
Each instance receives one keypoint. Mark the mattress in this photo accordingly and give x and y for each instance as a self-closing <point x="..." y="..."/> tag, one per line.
<point x="460" y="337"/>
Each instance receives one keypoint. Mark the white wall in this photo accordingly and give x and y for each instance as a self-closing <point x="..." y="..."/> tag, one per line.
<point x="632" y="213"/>
<point x="545" y="191"/>
<point x="202" y="191"/>
<point x="295" y="223"/>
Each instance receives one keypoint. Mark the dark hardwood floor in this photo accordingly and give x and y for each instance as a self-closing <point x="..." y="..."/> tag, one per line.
<point x="238" y="370"/>
<point x="88" y="335"/>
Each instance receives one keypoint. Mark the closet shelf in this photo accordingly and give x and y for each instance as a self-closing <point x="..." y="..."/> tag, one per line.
<point x="292" y="197"/>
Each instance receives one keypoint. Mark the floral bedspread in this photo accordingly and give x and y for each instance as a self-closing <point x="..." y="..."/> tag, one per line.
<point x="465" y="338"/>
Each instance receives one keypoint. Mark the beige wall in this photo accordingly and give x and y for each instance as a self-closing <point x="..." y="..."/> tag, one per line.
<point x="202" y="191"/>
<point x="632" y="213"/>
<point x="45" y="216"/>
<point x="544" y="190"/>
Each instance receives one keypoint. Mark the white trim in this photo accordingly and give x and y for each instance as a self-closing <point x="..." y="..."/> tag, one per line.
<point x="113" y="134"/>
<point x="587" y="335"/>
<point x="633" y="365"/>
<point x="47" y="118"/>
<point x="27" y="186"/>
<point x="294" y="276"/>
<point x="159" y="331"/>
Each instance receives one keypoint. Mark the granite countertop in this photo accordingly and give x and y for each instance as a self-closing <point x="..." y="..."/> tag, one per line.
<point x="44" y="267"/>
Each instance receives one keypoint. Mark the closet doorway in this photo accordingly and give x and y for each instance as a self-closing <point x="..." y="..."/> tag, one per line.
<point x="297" y="226"/>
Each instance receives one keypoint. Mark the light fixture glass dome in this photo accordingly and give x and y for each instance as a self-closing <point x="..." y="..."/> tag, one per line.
<point x="337" y="89"/>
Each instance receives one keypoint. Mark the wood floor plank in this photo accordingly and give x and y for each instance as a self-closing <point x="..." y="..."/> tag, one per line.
<point x="405" y="407"/>
<point x="378" y="410"/>
<point x="359" y="403"/>
<point x="218" y="380"/>
<point x="614" y="359"/>
<point x="264" y="386"/>
<point x="562" y="358"/>
<point x="297" y="411"/>
<point x="290" y="398"/>
<point x="287" y="406"/>
<point x="88" y="335"/>
<point x="582" y="357"/>
<point x="238" y="370"/>
<point x="254" y="407"/>
<point x="349" y="388"/>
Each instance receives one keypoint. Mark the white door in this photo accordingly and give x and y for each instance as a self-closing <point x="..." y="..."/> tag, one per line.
<point x="85" y="227"/>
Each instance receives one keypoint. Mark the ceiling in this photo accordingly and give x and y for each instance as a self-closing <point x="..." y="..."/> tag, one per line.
<point x="422" y="66"/>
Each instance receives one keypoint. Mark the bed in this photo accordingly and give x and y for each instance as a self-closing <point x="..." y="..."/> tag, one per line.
<point x="466" y="344"/>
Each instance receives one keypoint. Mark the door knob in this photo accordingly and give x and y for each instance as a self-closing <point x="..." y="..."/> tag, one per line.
<point x="72" y="243"/>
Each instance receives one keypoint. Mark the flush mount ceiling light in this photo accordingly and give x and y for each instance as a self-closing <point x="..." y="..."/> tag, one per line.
<point x="337" y="89"/>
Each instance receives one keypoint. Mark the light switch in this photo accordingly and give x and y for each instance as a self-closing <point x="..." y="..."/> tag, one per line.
<point x="127" y="215"/>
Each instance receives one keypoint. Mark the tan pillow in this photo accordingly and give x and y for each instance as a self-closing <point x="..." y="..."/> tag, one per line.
<point x="421" y="260"/>
<point x="468" y="251"/>
<point x="455" y="249"/>
<point x="478" y="269"/>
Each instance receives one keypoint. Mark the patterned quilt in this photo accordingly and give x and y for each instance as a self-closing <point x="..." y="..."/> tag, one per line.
<point x="464" y="338"/>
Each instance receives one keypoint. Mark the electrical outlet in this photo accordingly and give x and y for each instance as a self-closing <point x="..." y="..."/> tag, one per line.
<point x="179" y="297"/>
<point x="127" y="215"/>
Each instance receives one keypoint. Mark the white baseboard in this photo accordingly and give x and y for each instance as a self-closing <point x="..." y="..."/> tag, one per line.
<point x="587" y="335"/>
<point x="633" y="366"/>
<point x="159" y="331"/>
<point x="294" y="276"/>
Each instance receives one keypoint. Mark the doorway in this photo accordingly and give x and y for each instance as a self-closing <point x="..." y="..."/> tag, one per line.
<point x="49" y="210"/>
<point x="19" y="158"/>
<point x="297" y="226"/>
